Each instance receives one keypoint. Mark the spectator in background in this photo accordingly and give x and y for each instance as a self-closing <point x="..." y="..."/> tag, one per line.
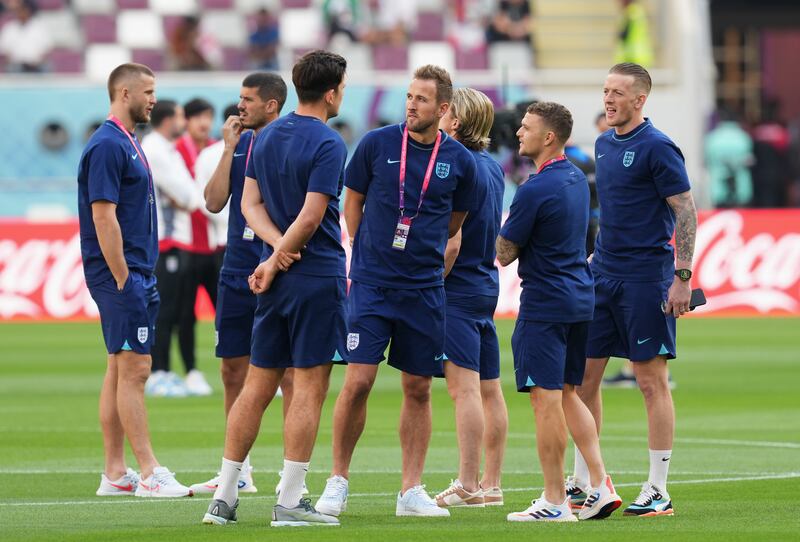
<point x="601" y="123"/>
<point x="264" y="42"/>
<point x="729" y="155"/>
<point x="342" y="17"/>
<point x="772" y="168"/>
<point x="204" y="260"/>
<point x="392" y="22"/>
<point x="511" y="22"/>
<point x="24" y="40"/>
<point x="634" y="43"/>
<point x="190" y="49"/>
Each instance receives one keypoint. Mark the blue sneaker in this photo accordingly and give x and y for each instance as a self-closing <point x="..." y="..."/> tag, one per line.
<point x="650" y="502"/>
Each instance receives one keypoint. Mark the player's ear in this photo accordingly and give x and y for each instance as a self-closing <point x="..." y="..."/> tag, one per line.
<point x="443" y="107"/>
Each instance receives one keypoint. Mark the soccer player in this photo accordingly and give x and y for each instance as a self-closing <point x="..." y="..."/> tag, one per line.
<point x="641" y="287"/>
<point x="472" y="352"/>
<point x="546" y="229"/>
<point x="177" y="197"/>
<point x="119" y="247"/>
<point x="410" y="186"/>
<point x="291" y="201"/>
<point x="261" y="98"/>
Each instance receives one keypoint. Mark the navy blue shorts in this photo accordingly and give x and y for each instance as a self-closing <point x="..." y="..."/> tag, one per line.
<point x="413" y="320"/>
<point x="470" y="335"/>
<point x="628" y="321"/>
<point x="233" y="323"/>
<point x="299" y="322"/>
<point x="548" y="354"/>
<point x="128" y="317"/>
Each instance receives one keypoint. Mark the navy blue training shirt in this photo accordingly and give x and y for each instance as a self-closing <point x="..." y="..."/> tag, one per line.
<point x="241" y="255"/>
<point x="374" y="171"/>
<point x="636" y="172"/>
<point x="474" y="271"/>
<point x="548" y="221"/>
<point x="292" y="156"/>
<point x="112" y="169"/>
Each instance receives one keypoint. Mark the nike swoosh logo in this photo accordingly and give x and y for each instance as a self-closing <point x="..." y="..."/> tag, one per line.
<point x="665" y="459"/>
<point x="392" y="161"/>
<point x="134" y="156"/>
<point x="440" y="357"/>
<point x="600" y="155"/>
<point x="129" y="487"/>
<point x="235" y="155"/>
<point x="640" y="341"/>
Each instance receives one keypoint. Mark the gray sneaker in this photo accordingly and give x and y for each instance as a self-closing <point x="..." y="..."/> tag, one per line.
<point x="302" y="515"/>
<point x="219" y="513"/>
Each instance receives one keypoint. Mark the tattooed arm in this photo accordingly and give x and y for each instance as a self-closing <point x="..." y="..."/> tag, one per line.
<point x="685" y="232"/>
<point x="507" y="251"/>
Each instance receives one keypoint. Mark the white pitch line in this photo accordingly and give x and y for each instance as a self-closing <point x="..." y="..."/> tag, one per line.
<point x="112" y="500"/>
<point x="687" y="440"/>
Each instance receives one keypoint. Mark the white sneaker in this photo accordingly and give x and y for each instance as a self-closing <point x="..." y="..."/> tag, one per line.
<point x="154" y="382"/>
<point x="417" y="502"/>
<point x="541" y="510"/>
<point x="601" y="502"/>
<point x="162" y="483"/>
<point x="492" y="496"/>
<point x="125" y="485"/>
<point x="456" y="496"/>
<point x="245" y="484"/>
<point x="196" y="383"/>
<point x="165" y="384"/>
<point x="278" y="487"/>
<point x="333" y="500"/>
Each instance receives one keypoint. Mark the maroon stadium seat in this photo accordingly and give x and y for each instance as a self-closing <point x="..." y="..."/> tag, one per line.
<point x="296" y="3"/>
<point x="133" y="4"/>
<point x="390" y="57"/>
<point x="50" y="4"/>
<point x="153" y="58"/>
<point x="99" y="28"/>
<point x="65" y="60"/>
<point x="216" y="4"/>
<point x="234" y="59"/>
<point x="472" y="59"/>
<point x="430" y="27"/>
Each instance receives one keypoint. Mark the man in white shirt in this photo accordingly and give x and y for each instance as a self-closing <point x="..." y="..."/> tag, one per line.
<point x="25" y="40"/>
<point x="177" y="196"/>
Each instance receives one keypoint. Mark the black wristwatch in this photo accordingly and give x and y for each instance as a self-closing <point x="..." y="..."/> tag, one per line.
<point x="683" y="274"/>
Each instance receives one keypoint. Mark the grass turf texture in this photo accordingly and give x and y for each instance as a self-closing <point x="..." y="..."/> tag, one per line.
<point x="735" y="469"/>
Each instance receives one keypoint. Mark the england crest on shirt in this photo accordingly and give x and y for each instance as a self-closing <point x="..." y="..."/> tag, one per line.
<point x="442" y="170"/>
<point x="627" y="159"/>
<point x="142" y="334"/>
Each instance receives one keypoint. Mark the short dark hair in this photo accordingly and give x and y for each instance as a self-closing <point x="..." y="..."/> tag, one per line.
<point x="640" y="75"/>
<point x="270" y="86"/>
<point x="231" y="110"/>
<point x="196" y="106"/>
<point x="163" y="110"/>
<point x="123" y="71"/>
<point x="316" y="73"/>
<point x="555" y="116"/>
<point x="444" y="84"/>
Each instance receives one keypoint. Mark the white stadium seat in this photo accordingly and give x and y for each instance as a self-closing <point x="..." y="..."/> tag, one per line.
<point x="301" y="28"/>
<point x="101" y="58"/>
<point x="94" y="6"/>
<point x="512" y="55"/>
<point x="227" y="26"/>
<point x="248" y="7"/>
<point x="140" y="28"/>
<point x="62" y="26"/>
<point x="439" y="53"/>
<point x="174" y="7"/>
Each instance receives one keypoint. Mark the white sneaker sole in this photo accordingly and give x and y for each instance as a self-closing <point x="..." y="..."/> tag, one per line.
<point x="530" y="519"/>
<point x="157" y="495"/>
<point x="210" y="519"/>
<point x="101" y="493"/>
<point x="604" y="508"/>
<point x="441" y="513"/>
<point x="301" y="524"/>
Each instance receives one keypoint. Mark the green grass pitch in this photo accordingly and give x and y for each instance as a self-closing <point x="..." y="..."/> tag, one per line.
<point x="735" y="470"/>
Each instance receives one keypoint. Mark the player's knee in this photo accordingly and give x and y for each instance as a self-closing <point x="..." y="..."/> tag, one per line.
<point x="417" y="390"/>
<point x="357" y="389"/>
<point x="653" y="386"/>
<point x="233" y="374"/>
<point x="545" y="400"/>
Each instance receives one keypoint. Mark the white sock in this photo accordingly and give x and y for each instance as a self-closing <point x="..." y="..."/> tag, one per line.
<point x="246" y="465"/>
<point x="581" y="472"/>
<point x="228" y="488"/>
<point x="659" y="468"/>
<point x="294" y="476"/>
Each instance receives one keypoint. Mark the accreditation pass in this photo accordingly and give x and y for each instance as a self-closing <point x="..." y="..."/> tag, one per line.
<point x="401" y="233"/>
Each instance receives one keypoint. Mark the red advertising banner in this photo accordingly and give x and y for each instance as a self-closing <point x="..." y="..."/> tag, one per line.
<point x="746" y="261"/>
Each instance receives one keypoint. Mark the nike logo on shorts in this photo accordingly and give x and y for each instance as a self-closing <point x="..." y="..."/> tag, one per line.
<point x="642" y="341"/>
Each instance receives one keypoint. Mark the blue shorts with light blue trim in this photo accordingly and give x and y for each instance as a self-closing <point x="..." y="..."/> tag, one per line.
<point x="548" y="354"/>
<point x="628" y="321"/>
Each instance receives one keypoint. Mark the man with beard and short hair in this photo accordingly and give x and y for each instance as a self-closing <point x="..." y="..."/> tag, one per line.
<point x="221" y="169"/>
<point x="119" y="248"/>
<point x="410" y="186"/>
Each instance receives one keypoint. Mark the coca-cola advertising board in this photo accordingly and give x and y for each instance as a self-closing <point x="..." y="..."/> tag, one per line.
<point x="746" y="261"/>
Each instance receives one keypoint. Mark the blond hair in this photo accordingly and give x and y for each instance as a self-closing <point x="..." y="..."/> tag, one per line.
<point x="475" y="114"/>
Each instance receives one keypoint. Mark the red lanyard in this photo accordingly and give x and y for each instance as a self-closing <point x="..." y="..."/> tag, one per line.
<point x="552" y="161"/>
<point x="425" y="182"/>
<point x="249" y="150"/>
<point x="151" y="197"/>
